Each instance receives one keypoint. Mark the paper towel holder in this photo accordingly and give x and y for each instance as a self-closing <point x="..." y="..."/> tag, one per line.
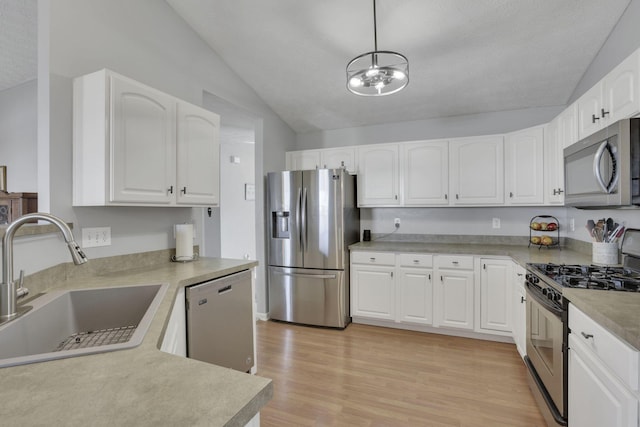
<point x="185" y="258"/>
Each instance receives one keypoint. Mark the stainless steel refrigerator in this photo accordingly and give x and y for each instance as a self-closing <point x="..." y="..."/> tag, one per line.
<point x="312" y="219"/>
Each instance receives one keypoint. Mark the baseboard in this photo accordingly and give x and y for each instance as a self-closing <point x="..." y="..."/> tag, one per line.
<point x="262" y="316"/>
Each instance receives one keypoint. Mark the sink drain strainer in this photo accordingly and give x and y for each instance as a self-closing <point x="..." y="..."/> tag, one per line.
<point x="97" y="338"/>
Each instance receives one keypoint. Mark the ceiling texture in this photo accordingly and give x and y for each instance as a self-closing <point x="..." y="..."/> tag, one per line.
<point x="465" y="56"/>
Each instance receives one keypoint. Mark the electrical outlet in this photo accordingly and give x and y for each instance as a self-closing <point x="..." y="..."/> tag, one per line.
<point x="496" y="222"/>
<point x="96" y="236"/>
<point x="572" y="224"/>
<point x="396" y="222"/>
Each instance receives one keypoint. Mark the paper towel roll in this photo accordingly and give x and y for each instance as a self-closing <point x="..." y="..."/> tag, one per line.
<point x="184" y="242"/>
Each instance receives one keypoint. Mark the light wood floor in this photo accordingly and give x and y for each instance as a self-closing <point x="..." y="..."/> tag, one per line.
<point x="371" y="376"/>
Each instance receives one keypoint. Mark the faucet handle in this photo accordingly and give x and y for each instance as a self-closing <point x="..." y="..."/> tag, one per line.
<point x="20" y="281"/>
<point x="21" y="291"/>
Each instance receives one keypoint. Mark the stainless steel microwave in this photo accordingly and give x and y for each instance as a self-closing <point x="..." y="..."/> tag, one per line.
<point x="603" y="170"/>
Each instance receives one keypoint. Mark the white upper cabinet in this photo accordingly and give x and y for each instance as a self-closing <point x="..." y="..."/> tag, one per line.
<point x="335" y="158"/>
<point x="142" y="145"/>
<point x="615" y="97"/>
<point x="303" y="160"/>
<point x="568" y="126"/>
<point x="136" y="146"/>
<point x="378" y="175"/>
<point x="524" y="167"/>
<point x="553" y="165"/>
<point x="198" y="148"/>
<point x="425" y="168"/>
<point x="476" y="170"/>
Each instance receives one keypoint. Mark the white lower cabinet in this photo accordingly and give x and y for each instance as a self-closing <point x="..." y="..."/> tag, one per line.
<point x="603" y="376"/>
<point x="518" y="310"/>
<point x="453" y="292"/>
<point x="496" y="289"/>
<point x="373" y="291"/>
<point x="415" y="288"/>
<point x="433" y="293"/>
<point x="392" y="287"/>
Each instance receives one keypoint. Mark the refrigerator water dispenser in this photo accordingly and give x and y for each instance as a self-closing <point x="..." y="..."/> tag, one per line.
<point x="280" y="225"/>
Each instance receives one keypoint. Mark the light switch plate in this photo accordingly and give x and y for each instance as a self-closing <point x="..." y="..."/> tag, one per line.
<point x="96" y="236"/>
<point x="496" y="222"/>
<point x="249" y="192"/>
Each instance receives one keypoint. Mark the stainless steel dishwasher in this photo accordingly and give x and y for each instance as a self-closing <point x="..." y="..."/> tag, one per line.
<point x="220" y="321"/>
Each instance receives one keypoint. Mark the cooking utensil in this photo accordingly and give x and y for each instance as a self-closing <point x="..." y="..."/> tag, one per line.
<point x="590" y="227"/>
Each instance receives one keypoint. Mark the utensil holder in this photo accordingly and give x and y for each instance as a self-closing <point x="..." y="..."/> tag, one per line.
<point x="604" y="253"/>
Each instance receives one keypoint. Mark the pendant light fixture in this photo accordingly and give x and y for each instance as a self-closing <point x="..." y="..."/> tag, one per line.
<point x="377" y="73"/>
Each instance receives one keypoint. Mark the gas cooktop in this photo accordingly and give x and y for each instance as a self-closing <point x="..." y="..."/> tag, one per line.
<point x="590" y="276"/>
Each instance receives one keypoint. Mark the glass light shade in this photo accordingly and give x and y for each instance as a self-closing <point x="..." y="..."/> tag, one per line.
<point x="377" y="73"/>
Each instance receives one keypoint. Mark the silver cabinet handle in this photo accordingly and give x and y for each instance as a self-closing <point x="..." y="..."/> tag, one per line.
<point x="594" y="118"/>
<point x="184" y="190"/>
<point x="586" y="336"/>
<point x="170" y="190"/>
<point x="372" y="259"/>
<point x="603" y="113"/>
<point x="455" y="262"/>
<point x="522" y="300"/>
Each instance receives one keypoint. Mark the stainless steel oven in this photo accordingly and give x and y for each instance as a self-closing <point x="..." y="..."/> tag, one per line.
<point x="546" y="349"/>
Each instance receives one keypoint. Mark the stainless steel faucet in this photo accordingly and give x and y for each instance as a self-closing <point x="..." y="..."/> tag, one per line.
<point x="9" y="294"/>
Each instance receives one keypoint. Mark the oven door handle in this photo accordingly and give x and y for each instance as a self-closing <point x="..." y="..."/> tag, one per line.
<point x="544" y="301"/>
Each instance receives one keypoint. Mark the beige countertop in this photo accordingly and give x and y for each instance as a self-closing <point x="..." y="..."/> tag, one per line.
<point x="142" y="386"/>
<point x="618" y="312"/>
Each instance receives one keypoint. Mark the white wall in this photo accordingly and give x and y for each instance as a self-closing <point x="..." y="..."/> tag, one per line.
<point x="18" y="136"/>
<point x="237" y="216"/>
<point x="146" y="41"/>
<point x="445" y="127"/>
<point x="456" y="221"/>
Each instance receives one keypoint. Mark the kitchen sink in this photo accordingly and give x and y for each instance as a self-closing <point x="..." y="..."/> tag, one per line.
<point x="73" y="323"/>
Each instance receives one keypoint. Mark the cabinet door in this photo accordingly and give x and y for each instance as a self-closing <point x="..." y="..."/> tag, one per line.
<point x="568" y="126"/>
<point x="143" y="160"/>
<point x="372" y="292"/>
<point x="524" y="169"/>
<point x="198" y="156"/>
<point x="425" y="168"/>
<point x="303" y="160"/>
<point x="336" y="158"/>
<point x="589" y="106"/>
<point x="621" y="90"/>
<point x="453" y="299"/>
<point x="519" y="322"/>
<point x="496" y="288"/>
<point x="596" y="397"/>
<point x="476" y="168"/>
<point x="378" y="175"/>
<point x="415" y="300"/>
<point x="553" y="165"/>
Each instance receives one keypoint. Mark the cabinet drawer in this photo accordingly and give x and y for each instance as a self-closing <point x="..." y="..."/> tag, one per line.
<point x="454" y="262"/>
<point x="373" y="258"/>
<point x="415" y="260"/>
<point x="618" y="356"/>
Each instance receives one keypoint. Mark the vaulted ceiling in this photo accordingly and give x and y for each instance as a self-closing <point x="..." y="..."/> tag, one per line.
<point x="465" y="56"/>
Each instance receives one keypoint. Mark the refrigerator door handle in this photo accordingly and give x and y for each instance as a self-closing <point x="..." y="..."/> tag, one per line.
<point x="311" y="276"/>
<point x="304" y="219"/>
<point x="298" y="209"/>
